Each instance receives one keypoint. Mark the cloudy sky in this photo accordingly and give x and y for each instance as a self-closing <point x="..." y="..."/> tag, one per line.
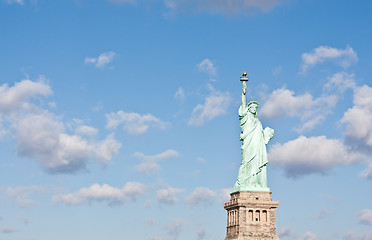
<point x="118" y="118"/>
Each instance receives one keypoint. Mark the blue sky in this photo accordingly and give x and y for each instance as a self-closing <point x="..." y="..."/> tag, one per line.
<point x="118" y="118"/>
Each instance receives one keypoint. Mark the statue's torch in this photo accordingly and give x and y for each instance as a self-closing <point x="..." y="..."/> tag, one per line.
<point x="244" y="77"/>
<point x="244" y="80"/>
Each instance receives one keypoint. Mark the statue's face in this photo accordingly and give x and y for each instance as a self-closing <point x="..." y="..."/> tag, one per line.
<point x="253" y="109"/>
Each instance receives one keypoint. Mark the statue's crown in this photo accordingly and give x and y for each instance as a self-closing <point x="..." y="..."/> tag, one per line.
<point x="252" y="102"/>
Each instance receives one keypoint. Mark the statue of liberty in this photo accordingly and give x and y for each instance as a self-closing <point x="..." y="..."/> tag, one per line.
<point x="252" y="172"/>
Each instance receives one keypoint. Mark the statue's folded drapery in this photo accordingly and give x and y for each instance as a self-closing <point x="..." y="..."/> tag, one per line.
<point x="252" y="172"/>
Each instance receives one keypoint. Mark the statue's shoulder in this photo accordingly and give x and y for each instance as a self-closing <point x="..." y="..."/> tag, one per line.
<point x="243" y="110"/>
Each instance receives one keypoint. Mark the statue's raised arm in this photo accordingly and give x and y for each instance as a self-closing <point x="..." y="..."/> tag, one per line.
<point x="244" y="91"/>
<point x="244" y="80"/>
<point x="252" y="172"/>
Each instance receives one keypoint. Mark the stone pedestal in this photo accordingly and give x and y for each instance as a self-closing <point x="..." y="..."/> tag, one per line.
<point x="251" y="216"/>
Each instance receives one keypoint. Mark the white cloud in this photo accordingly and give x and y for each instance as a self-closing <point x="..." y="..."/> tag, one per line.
<point x="175" y="228"/>
<point x="283" y="102"/>
<point x="20" y="2"/>
<point x="277" y="70"/>
<point x="207" y="67"/>
<point x="367" y="173"/>
<point x="3" y="130"/>
<point x="225" y="194"/>
<point x="38" y="137"/>
<point x="102" y="60"/>
<point x="24" y="220"/>
<point x="23" y="196"/>
<point x="352" y="235"/>
<point x="215" y="104"/>
<point x="201" y="196"/>
<point x="180" y="95"/>
<point x="340" y="81"/>
<point x="201" y="160"/>
<point x="168" y="195"/>
<point x="310" y="124"/>
<point x="285" y="232"/>
<point x="161" y="156"/>
<point x="312" y="111"/>
<point x="86" y="130"/>
<point x="343" y="57"/>
<point x="150" y="164"/>
<point x="98" y="107"/>
<point x="150" y="221"/>
<point x="358" y="133"/>
<point x="309" y="236"/>
<point x="19" y="96"/>
<point x="323" y="213"/>
<point x="365" y="216"/>
<point x="42" y="136"/>
<point x="106" y="149"/>
<point x="52" y="104"/>
<point x="310" y="155"/>
<point x="330" y="198"/>
<point x="148" y="168"/>
<point x="200" y="233"/>
<point x="134" y="123"/>
<point x="6" y="229"/>
<point x="359" y="118"/>
<point x="131" y="191"/>
<point x="224" y="7"/>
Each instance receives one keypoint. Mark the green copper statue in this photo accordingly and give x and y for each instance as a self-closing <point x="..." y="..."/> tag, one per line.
<point x="252" y="172"/>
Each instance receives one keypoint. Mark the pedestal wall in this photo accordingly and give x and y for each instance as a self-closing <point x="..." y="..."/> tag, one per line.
<point x="251" y="216"/>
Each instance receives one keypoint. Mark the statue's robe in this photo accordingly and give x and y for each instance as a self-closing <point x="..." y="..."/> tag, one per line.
<point x="252" y="172"/>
